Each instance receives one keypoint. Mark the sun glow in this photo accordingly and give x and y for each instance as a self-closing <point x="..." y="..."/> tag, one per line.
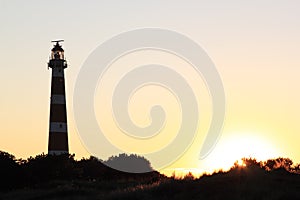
<point x="232" y="149"/>
<point x="241" y="163"/>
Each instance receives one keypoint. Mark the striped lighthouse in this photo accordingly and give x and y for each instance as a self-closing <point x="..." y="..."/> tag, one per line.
<point x="58" y="129"/>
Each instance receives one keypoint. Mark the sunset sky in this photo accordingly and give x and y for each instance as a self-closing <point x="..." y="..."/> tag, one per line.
<point x="254" y="45"/>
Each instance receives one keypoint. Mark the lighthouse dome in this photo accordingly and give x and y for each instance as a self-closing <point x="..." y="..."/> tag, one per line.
<point x="57" y="47"/>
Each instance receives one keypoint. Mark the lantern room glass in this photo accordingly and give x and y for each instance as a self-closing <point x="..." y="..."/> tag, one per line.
<point x="57" y="55"/>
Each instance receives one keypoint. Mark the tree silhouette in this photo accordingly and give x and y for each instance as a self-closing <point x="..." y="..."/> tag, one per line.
<point x="10" y="173"/>
<point x="129" y="163"/>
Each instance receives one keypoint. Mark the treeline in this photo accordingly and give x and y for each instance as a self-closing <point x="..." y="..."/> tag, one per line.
<point x="277" y="164"/>
<point x="43" y="169"/>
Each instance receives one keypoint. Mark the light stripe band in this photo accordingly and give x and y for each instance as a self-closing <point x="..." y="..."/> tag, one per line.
<point x="58" y="99"/>
<point x="56" y="152"/>
<point x="59" y="127"/>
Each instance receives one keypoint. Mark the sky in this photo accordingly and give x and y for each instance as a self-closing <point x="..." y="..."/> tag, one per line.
<point x="253" y="44"/>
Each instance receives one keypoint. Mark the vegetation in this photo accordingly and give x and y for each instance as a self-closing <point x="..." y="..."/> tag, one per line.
<point x="62" y="177"/>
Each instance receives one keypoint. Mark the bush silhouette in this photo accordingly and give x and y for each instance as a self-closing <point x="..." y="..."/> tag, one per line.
<point x="92" y="169"/>
<point x="279" y="163"/>
<point x="50" y="167"/>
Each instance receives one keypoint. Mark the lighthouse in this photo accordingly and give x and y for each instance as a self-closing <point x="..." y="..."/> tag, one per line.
<point x="58" y="129"/>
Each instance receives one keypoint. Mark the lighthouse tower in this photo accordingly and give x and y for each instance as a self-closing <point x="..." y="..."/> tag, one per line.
<point x="58" y="129"/>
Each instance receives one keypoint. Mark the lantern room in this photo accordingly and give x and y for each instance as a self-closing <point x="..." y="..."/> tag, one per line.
<point x="57" y="51"/>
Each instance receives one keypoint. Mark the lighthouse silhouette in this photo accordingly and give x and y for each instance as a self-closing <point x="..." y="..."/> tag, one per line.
<point x="58" y="129"/>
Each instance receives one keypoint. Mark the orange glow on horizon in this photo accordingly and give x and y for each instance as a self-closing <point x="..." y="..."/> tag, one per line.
<point x="240" y="145"/>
